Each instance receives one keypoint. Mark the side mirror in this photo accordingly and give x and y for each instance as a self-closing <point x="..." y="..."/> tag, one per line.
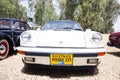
<point x="88" y="30"/>
<point x="38" y="29"/>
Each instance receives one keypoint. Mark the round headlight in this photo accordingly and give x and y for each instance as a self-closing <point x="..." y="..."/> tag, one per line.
<point x="25" y="36"/>
<point x="97" y="38"/>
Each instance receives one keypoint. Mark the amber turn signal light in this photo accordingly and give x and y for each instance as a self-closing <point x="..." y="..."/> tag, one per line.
<point x="20" y="52"/>
<point x="101" y="53"/>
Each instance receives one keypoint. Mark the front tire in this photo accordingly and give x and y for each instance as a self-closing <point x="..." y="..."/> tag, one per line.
<point x="4" y="48"/>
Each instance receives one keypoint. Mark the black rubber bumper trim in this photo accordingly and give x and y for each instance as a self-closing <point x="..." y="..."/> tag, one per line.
<point x="48" y="54"/>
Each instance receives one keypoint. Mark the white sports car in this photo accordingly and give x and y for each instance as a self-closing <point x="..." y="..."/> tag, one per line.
<point x="61" y="43"/>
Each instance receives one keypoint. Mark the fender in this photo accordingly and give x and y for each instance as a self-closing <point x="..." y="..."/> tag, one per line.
<point x="10" y="40"/>
<point x="17" y="41"/>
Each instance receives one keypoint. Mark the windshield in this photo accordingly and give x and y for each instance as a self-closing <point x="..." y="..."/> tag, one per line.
<point x="16" y="24"/>
<point x="5" y="23"/>
<point x="62" y="25"/>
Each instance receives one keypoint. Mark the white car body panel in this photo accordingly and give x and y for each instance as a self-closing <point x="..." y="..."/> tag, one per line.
<point x="77" y="61"/>
<point x="62" y="50"/>
<point x="43" y="43"/>
<point x="61" y="39"/>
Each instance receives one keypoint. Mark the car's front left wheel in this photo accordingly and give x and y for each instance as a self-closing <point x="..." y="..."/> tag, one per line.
<point x="4" y="48"/>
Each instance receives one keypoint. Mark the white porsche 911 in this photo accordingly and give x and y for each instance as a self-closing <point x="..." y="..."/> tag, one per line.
<point x="61" y="43"/>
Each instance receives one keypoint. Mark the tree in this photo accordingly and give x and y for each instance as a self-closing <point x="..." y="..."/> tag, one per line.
<point x="44" y="12"/>
<point x="11" y="9"/>
<point x="96" y="15"/>
<point x="62" y="8"/>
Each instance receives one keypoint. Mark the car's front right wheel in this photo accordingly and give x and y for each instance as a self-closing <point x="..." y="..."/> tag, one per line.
<point x="4" y="48"/>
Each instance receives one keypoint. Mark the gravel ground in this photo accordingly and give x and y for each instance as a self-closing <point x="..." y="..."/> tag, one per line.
<point x="12" y="68"/>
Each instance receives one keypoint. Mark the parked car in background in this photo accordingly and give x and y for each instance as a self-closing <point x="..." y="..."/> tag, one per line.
<point x="114" y="40"/>
<point x="61" y="43"/>
<point x="10" y="30"/>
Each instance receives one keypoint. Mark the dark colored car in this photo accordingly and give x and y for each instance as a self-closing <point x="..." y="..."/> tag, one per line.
<point x="114" y="40"/>
<point x="10" y="30"/>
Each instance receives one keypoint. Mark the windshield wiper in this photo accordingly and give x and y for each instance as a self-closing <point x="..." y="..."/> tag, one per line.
<point x="78" y="29"/>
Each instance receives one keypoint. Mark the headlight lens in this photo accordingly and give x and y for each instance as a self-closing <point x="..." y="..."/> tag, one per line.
<point x="25" y="36"/>
<point x="97" y="38"/>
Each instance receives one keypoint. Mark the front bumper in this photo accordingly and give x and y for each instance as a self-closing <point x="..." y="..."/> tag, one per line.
<point x="81" y="57"/>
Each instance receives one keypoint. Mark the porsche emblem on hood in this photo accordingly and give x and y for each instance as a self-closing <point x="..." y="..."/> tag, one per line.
<point x="60" y="42"/>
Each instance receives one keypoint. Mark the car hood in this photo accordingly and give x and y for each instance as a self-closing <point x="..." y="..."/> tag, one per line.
<point x="115" y="34"/>
<point x="61" y="39"/>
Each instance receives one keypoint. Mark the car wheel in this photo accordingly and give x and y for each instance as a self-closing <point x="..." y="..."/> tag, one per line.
<point x="4" y="48"/>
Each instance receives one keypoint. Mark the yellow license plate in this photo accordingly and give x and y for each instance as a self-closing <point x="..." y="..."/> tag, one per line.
<point x="61" y="59"/>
